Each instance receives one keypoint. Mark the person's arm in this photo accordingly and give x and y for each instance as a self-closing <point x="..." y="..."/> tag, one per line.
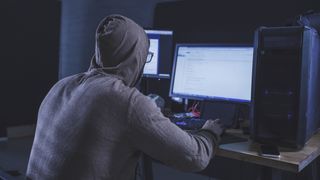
<point x="158" y="137"/>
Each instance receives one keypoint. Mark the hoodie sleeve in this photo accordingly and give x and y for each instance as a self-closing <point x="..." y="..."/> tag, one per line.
<point x="158" y="137"/>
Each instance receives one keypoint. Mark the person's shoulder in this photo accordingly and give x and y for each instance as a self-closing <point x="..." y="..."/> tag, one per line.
<point x="68" y="79"/>
<point x="64" y="81"/>
<point x="138" y="99"/>
<point x="106" y="85"/>
<point x="130" y="93"/>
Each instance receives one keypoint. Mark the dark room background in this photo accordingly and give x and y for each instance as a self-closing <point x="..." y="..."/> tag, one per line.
<point x="221" y="20"/>
<point x="29" y="57"/>
<point x="44" y="40"/>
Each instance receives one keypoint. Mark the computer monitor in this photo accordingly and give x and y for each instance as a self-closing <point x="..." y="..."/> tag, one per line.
<point x="161" y="45"/>
<point x="218" y="72"/>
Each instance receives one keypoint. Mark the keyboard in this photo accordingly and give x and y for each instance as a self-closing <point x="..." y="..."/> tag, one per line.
<point x="188" y="123"/>
<point x="193" y="123"/>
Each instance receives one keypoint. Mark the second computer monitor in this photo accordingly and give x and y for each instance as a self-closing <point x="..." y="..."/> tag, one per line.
<point x="212" y="72"/>
<point x="161" y="45"/>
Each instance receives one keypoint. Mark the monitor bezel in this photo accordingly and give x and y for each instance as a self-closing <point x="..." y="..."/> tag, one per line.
<point x="160" y="32"/>
<point x="200" y="97"/>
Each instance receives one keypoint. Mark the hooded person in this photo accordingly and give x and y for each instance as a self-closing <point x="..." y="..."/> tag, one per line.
<point x="95" y="125"/>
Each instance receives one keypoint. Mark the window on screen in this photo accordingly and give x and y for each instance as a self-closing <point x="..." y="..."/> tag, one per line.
<point x="213" y="72"/>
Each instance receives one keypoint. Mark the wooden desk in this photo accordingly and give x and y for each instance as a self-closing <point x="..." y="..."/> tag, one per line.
<point x="292" y="161"/>
<point x="15" y="152"/>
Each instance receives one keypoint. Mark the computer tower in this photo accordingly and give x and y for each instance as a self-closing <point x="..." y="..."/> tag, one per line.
<point x="285" y="109"/>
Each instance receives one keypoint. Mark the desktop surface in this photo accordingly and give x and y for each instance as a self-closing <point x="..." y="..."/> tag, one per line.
<point x="15" y="152"/>
<point x="237" y="145"/>
<point x="290" y="160"/>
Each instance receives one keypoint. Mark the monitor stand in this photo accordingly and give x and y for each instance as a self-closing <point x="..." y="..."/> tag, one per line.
<point x="227" y="112"/>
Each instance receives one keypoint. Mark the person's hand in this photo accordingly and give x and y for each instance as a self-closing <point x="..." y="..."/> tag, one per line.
<point x="214" y="126"/>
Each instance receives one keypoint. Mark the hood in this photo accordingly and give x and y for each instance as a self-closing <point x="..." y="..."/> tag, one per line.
<point x="121" y="48"/>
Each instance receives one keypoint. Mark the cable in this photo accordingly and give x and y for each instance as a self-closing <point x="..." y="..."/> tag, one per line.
<point x="193" y="109"/>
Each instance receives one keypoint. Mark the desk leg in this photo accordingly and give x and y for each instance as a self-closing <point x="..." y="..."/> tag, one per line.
<point x="148" y="167"/>
<point x="144" y="168"/>
<point x="311" y="172"/>
<point x="315" y="167"/>
<point x="268" y="173"/>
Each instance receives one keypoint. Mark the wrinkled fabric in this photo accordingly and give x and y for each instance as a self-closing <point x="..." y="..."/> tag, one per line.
<point x="95" y="125"/>
<point x="121" y="49"/>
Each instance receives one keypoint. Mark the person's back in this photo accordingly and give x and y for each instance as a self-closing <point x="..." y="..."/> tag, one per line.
<point x="76" y="133"/>
<point x="95" y="125"/>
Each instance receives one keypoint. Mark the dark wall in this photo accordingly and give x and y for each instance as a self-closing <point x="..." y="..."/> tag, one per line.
<point x="79" y="21"/>
<point x="213" y="21"/>
<point x="29" y="57"/>
<point x="228" y="20"/>
<point x="192" y="20"/>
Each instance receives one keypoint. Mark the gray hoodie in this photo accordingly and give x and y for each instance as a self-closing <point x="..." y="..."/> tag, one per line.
<point x="94" y="125"/>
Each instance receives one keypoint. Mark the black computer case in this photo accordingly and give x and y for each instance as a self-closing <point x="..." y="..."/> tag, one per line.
<point x="285" y="107"/>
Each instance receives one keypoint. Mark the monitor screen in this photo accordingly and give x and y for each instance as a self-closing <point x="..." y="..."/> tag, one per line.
<point x="161" y="45"/>
<point x="212" y="72"/>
